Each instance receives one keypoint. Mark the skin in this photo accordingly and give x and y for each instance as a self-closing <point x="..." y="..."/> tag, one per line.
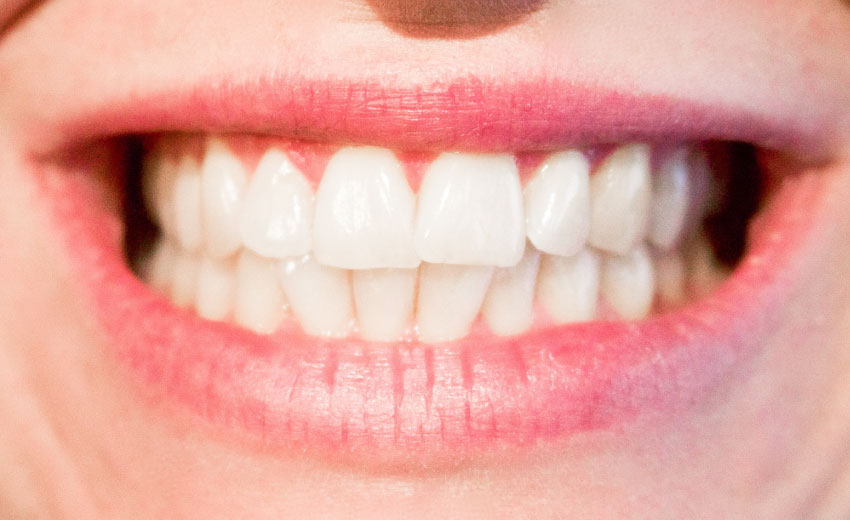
<point x="78" y="441"/>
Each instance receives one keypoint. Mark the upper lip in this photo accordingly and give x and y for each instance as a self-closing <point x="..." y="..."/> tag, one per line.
<point x="461" y="114"/>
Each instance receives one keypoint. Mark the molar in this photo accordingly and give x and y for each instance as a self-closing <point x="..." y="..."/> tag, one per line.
<point x="670" y="198"/>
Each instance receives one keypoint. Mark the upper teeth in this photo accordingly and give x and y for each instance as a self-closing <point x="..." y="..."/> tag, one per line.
<point x="471" y="214"/>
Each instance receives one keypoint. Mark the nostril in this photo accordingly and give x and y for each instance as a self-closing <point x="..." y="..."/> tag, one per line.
<point x="452" y="18"/>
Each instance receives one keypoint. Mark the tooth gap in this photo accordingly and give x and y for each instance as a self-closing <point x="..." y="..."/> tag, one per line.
<point x="566" y="274"/>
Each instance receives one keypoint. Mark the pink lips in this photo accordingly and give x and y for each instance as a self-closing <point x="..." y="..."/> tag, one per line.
<point x="290" y="390"/>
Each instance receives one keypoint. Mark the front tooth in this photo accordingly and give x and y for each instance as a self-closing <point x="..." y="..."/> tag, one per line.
<point x="568" y="286"/>
<point x="670" y="276"/>
<point x="509" y="305"/>
<point x="187" y="204"/>
<point x="222" y="183"/>
<point x="384" y="302"/>
<point x="628" y="283"/>
<point x="619" y="199"/>
<point x="557" y="204"/>
<point x="184" y="279"/>
<point x="470" y="211"/>
<point x="216" y="282"/>
<point x="320" y="296"/>
<point x="670" y="197"/>
<point x="277" y="211"/>
<point x="450" y="297"/>
<point x="364" y="212"/>
<point x="260" y="303"/>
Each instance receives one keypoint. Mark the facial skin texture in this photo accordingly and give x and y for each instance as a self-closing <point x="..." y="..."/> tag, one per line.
<point x="79" y="441"/>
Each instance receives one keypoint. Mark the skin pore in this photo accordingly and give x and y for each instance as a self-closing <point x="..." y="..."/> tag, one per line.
<point x="81" y="440"/>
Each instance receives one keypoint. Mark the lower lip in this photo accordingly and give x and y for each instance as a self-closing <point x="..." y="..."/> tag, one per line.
<point x="381" y="400"/>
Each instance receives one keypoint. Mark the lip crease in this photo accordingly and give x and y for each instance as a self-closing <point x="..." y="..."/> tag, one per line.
<point x="396" y="401"/>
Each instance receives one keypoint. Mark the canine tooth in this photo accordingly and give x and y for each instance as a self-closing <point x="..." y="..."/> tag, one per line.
<point x="670" y="274"/>
<point x="216" y="281"/>
<point x="471" y="211"/>
<point x="160" y="266"/>
<point x="628" y="283"/>
<point x="384" y="302"/>
<point x="260" y="303"/>
<point x="450" y="297"/>
<point x="222" y="182"/>
<point x="364" y="212"/>
<point x="277" y="210"/>
<point x="557" y="204"/>
<point x="184" y="279"/>
<point x="320" y="296"/>
<point x="670" y="198"/>
<point x="187" y="204"/>
<point x="568" y="286"/>
<point x="509" y="305"/>
<point x="619" y="199"/>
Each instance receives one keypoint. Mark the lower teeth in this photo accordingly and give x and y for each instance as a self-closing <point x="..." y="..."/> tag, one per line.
<point x="433" y="302"/>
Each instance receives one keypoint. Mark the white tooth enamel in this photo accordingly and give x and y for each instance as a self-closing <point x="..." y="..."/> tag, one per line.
<point x="557" y="204"/>
<point x="184" y="279"/>
<point x="277" y="210"/>
<point x="384" y="302"/>
<point x="222" y="182"/>
<point x="260" y="303"/>
<point x="620" y="198"/>
<point x="160" y="266"/>
<point x="450" y="297"/>
<point x="628" y="283"/>
<point x="670" y="274"/>
<point x="187" y="204"/>
<point x="320" y="296"/>
<point x="215" y="293"/>
<point x="670" y="197"/>
<point x="568" y="286"/>
<point x="364" y="212"/>
<point x="509" y="305"/>
<point x="471" y="211"/>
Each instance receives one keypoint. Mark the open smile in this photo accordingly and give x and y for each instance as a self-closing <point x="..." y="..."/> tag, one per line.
<point x="356" y="267"/>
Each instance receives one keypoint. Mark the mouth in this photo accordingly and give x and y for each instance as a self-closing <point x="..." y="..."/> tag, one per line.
<point x="415" y="286"/>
